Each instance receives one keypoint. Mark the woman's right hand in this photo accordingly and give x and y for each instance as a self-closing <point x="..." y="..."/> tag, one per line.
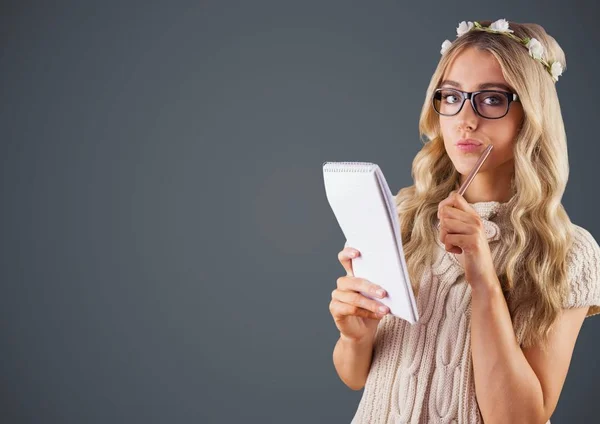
<point x="355" y="315"/>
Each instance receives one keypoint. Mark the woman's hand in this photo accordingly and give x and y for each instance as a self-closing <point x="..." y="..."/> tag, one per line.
<point x="355" y="315"/>
<point x="461" y="231"/>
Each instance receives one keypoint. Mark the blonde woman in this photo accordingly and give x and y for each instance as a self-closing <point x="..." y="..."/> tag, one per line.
<point x="504" y="284"/>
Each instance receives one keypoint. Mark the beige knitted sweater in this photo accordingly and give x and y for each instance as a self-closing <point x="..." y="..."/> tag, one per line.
<point x="423" y="373"/>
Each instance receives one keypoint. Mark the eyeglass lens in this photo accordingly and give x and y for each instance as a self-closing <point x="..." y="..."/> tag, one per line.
<point x="489" y="104"/>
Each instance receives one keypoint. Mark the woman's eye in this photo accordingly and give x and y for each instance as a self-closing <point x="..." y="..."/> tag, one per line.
<point x="449" y="98"/>
<point x="492" y="100"/>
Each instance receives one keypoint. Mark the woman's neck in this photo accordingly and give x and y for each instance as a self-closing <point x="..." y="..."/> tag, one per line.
<point x="487" y="187"/>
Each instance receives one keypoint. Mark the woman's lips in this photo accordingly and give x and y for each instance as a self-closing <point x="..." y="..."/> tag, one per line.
<point x="469" y="147"/>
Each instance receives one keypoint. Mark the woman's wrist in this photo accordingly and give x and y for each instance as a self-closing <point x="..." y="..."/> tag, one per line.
<point x="356" y="342"/>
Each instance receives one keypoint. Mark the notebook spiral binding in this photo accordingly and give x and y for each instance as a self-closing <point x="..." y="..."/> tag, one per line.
<point x="348" y="166"/>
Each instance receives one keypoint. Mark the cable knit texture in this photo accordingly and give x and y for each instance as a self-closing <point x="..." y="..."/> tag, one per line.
<point x="423" y="373"/>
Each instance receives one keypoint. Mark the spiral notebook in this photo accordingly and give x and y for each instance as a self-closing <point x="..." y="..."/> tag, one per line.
<point x="365" y="209"/>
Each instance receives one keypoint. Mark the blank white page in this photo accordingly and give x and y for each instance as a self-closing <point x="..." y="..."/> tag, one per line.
<point x="365" y="209"/>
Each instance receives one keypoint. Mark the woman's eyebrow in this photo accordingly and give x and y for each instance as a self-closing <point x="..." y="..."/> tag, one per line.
<point x="480" y="86"/>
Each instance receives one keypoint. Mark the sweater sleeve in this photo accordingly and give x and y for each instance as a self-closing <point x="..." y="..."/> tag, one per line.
<point x="584" y="272"/>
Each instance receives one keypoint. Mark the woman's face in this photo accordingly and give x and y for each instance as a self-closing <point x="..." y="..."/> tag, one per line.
<point x="474" y="70"/>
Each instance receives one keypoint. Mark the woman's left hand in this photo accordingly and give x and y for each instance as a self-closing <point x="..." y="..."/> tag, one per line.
<point x="461" y="231"/>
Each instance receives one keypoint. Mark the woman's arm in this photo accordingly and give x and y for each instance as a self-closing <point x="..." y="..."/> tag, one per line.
<point x="511" y="384"/>
<point x="352" y="360"/>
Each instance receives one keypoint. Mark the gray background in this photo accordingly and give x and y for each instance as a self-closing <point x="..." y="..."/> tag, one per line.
<point x="167" y="250"/>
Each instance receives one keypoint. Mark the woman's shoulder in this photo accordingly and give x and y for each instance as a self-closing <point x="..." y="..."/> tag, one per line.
<point x="584" y="254"/>
<point x="583" y="270"/>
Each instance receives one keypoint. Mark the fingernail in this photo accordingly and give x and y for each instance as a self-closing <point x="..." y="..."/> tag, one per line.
<point x="352" y="254"/>
<point x="380" y="292"/>
<point x="383" y="309"/>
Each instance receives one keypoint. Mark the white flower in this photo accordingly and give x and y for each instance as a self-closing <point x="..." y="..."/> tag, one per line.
<point x="556" y="70"/>
<point x="536" y="50"/>
<point x="501" y="25"/>
<point x="463" y="28"/>
<point x="445" y="46"/>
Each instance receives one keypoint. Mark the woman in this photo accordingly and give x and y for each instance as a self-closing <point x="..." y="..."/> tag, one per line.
<point x="504" y="284"/>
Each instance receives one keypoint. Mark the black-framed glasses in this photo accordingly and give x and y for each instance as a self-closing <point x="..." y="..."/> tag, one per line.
<point x="489" y="104"/>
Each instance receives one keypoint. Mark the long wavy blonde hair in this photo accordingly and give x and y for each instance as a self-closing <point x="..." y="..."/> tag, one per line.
<point x="534" y="278"/>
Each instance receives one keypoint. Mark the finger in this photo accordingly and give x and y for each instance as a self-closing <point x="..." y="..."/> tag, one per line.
<point x="345" y="257"/>
<point x="448" y="229"/>
<point x="465" y="243"/>
<point x="461" y="203"/>
<point x="455" y="213"/>
<point x="455" y="226"/>
<point x="454" y="249"/>
<point x="448" y="201"/>
<point x="451" y="248"/>
<point x="340" y="310"/>
<point x="443" y="232"/>
<point x="357" y="299"/>
<point x="360" y="285"/>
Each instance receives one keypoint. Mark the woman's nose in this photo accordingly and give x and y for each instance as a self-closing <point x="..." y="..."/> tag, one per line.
<point x="467" y="118"/>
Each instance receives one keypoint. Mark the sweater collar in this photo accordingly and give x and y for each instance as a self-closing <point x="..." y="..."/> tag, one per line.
<point x="491" y="209"/>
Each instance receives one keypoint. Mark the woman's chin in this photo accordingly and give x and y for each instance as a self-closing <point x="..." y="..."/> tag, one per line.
<point x="465" y="164"/>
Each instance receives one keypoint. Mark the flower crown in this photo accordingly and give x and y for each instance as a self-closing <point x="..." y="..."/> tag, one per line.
<point x="536" y="49"/>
